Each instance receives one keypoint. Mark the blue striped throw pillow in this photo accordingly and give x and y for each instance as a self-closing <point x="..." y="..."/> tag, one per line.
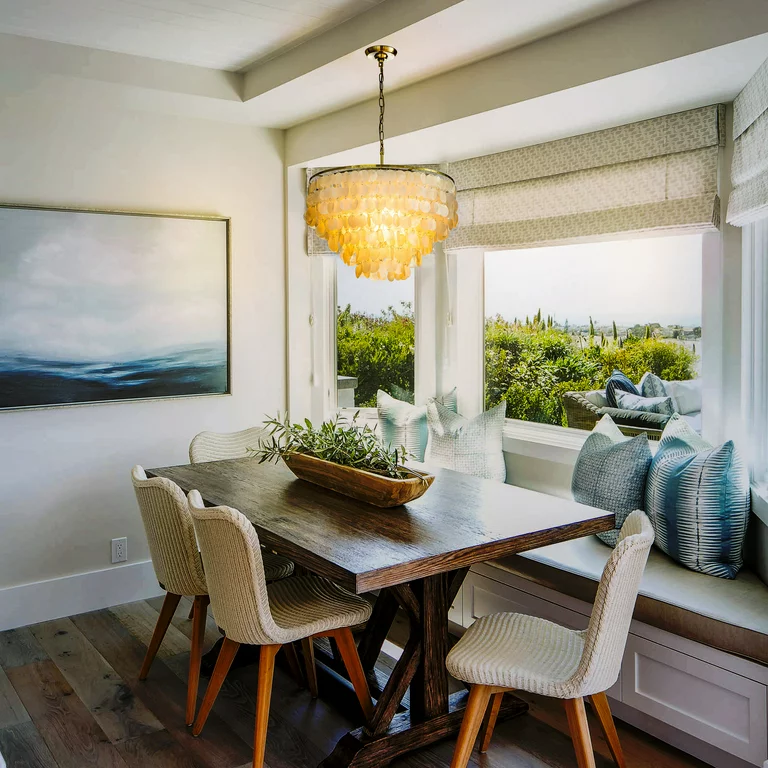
<point x="697" y="498"/>
<point x="618" y="382"/>
<point x="610" y="473"/>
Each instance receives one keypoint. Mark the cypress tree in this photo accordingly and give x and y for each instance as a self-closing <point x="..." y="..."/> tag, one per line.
<point x="615" y="332"/>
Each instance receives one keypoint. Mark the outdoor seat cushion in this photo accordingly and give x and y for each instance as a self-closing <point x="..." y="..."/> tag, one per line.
<point x="729" y="614"/>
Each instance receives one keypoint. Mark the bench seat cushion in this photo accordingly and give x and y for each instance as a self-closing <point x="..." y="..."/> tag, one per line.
<point x="731" y="615"/>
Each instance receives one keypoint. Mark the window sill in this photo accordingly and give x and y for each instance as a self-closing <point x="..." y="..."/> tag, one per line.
<point x="760" y="502"/>
<point x="543" y="441"/>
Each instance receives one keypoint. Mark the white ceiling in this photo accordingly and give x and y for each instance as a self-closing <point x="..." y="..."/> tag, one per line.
<point x="222" y="34"/>
<point x="458" y="35"/>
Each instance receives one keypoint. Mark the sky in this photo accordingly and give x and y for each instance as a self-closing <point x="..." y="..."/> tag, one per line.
<point x="370" y="296"/>
<point x="655" y="279"/>
<point x="85" y="287"/>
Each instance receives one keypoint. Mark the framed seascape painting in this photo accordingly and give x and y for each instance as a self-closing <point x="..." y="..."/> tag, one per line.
<point x="108" y="306"/>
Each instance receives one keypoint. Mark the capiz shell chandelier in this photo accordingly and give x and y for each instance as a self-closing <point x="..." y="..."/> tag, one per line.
<point x="382" y="218"/>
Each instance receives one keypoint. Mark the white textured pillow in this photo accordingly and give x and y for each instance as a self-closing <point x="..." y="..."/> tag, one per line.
<point x="685" y="394"/>
<point x="472" y="446"/>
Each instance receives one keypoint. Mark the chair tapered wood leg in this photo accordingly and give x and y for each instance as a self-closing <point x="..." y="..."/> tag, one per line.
<point x="308" y="649"/>
<point x="170" y="604"/>
<point x="348" y="651"/>
<point x="191" y="613"/>
<point x="579" y="728"/>
<point x="293" y="663"/>
<point x="603" y="711"/>
<point x="199" y="612"/>
<point x="479" y="695"/>
<point x="263" y="696"/>
<point x="224" y="661"/>
<point x="489" y="723"/>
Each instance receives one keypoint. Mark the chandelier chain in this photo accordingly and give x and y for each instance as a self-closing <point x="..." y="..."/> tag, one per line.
<point x="381" y="110"/>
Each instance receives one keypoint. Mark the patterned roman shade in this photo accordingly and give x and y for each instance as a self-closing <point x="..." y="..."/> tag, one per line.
<point x="749" y="170"/>
<point x="654" y="175"/>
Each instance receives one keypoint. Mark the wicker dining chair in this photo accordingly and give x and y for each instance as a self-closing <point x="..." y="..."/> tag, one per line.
<point x="179" y="570"/>
<point x="218" y="446"/>
<point x="512" y="651"/>
<point x="271" y="616"/>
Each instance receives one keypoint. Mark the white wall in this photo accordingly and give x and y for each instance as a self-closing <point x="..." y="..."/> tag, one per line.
<point x="64" y="472"/>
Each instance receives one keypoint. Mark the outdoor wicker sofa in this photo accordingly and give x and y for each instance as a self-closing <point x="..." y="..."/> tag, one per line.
<point x="584" y="409"/>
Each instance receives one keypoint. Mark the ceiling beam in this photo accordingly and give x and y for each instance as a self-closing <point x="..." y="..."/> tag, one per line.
<point x="27" y="54"/>
<point x="358" y="32"/>
<point x="639" y="36"/>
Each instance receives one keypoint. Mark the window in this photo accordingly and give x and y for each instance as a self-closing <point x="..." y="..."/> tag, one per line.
<point x="560" y="319"/>
<point x="374" y="339"/>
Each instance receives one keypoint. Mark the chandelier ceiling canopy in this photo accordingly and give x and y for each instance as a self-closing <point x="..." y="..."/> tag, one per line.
<point x="382" y="219"/>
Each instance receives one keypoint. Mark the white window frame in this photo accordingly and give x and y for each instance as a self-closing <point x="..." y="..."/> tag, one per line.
<point x="449" y="312"/>
<point x="548" y="441"/>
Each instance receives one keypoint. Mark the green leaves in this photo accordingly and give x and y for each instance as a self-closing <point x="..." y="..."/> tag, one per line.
<point x="531" y="366"/>
<point x="378" y="350"/>
<point x="341" y="442"/>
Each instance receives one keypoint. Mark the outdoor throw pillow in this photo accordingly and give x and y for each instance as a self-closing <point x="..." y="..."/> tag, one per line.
<point x="610" y="473"/>
<point x="472" y="446"/>
<point x="618" y="382"/>
<point x="697" y="498"/>
<point x="632" y="402"/>
<point x="403" y="424"/>
<point x="652" y="386"/>
<point x="686" y="395"/>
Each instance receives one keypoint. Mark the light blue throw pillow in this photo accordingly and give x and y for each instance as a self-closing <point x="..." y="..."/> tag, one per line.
<point x="652" y="386"/>
<point x="404" y="425"/>
<point x="697" y="499"/>
<point x="630" y="402"/>
<point x="610" y="473"/>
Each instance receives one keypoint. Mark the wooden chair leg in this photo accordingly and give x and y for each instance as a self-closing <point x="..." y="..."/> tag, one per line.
<point x="170" y="604"/>
<point x="293" y="663"/>
<point x="191" y="613"/>
<point x="263" y="696"/>
<point x="489" y="723"/>
<point x="223" y="663"/>
<point x="479" y="695"/>
<point x="603" y="710"/>
<point x="308" y="650"/>
<point x="348" y="651"/>
<point x="199" y="612"/>
<point x="579" y="728"/>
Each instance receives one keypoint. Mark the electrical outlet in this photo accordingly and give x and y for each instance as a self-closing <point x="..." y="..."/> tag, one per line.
<point x="119" y="550"/>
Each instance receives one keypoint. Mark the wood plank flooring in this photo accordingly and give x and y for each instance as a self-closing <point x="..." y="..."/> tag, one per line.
<point x="70" y="698"/>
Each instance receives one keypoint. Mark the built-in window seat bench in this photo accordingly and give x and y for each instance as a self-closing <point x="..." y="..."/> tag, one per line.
<point x="695" y="670"/>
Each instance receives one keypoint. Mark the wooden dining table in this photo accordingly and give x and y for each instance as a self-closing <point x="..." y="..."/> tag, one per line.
<point x="416" y="556"/>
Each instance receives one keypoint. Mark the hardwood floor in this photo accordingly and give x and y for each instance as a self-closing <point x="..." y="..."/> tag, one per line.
<point x="70" y="697"/>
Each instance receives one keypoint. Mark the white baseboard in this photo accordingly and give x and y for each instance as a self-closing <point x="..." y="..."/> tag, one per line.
<point x="79" y="593"/>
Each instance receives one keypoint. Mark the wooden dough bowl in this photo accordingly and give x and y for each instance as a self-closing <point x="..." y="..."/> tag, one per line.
<point x="359" y="484"/>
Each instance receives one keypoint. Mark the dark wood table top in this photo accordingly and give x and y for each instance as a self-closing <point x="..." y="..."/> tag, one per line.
<point x="460" y="520"/>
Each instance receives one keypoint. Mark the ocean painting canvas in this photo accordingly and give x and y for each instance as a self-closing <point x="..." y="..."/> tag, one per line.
<point x="98" y="307"/>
